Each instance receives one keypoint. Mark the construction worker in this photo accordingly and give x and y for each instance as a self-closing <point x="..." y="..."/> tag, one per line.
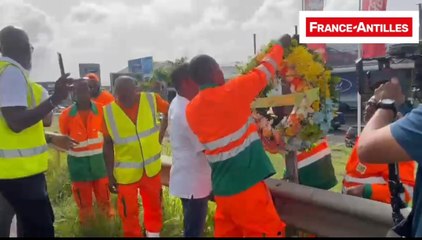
<point x="83" y="121"/>
<point x="220" y="116"/>
<point x="132" y="149"/>
<point x="102" y="97"/>
<point x="23" y="145"/>
<point x="370" y="181"/>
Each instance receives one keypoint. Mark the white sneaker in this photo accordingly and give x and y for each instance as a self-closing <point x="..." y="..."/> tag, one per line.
<point x="152" y="235"/>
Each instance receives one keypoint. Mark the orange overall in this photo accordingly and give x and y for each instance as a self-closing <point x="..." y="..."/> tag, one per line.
<point x="374" y="177"/>
<point x="86" y="161"/>
<point x="221" y="118"/>
<point x="104" y="98"/>
<point x="149" y="188"/>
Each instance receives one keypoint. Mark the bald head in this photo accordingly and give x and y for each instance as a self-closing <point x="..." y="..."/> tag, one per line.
<point x="125" y="89"/>
<point x="203" y="70"/>
<point x="14" y="43"/>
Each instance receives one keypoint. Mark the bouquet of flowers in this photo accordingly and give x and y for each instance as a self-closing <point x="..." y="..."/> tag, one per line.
<point x="296" y="110"/>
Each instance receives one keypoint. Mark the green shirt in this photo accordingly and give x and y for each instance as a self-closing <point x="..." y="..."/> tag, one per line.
<point x="89" y="168"/>
<point x="242" y="171"/>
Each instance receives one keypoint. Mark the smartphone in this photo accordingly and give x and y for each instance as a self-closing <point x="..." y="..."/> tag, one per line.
<point x="62" y="72"/>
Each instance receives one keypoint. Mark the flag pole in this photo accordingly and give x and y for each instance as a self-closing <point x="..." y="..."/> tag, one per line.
<point x="359" y="100"/>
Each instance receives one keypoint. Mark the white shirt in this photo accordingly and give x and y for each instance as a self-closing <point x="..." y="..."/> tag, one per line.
<point x="13" y="86"/>
<point x="190" y="174"/>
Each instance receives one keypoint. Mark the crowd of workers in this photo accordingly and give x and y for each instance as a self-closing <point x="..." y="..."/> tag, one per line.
<point x="114" y="146"/>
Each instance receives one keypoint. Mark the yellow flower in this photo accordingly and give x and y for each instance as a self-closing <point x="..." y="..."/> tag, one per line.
<point x="315" y="106"/>
<point x="260" y="56"/>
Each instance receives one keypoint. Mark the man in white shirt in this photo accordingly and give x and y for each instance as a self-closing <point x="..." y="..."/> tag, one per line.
<point x="190" y="174"/>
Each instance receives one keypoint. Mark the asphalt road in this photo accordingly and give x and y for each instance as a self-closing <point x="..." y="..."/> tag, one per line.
<point x="337" y="137"/>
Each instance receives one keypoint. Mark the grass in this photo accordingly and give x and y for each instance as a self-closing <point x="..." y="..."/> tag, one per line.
<point x="339" y="156"/>
<point x="65" y="209"/>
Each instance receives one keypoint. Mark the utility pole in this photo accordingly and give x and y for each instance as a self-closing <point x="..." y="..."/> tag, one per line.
<point x="358" y="96"/>
<point x="420" y="21"/>
<point x="254" y="43"/>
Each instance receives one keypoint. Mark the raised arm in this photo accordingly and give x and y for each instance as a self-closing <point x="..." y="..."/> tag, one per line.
<point x="383" y="142"/>
<point x="19" y="118"/>
<point x="48" y="119"/>
<point x="248" y="86"/>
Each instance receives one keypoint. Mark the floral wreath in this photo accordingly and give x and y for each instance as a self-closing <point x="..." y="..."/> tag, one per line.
<point x="295" y="112"/>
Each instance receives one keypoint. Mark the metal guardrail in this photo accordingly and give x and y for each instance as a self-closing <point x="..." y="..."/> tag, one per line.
<point x="324" y="213"/>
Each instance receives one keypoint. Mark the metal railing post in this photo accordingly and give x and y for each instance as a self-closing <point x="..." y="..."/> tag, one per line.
<point x="292" y="174"/>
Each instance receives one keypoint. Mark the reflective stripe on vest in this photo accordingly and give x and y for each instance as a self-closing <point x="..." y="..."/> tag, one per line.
<point x="235" y="151"/>
<point x="409" y="189"/>
<point x="368" y="180"/>
<point x="138" y="165"/>
<point x="85" y="153"/>
<point x="230" y="138"/>
<point x="89" y="142"/>
<point x="136" y="146"/>
<point x="119" y="140"/>
<point x="317" y="156"/>
<point x="23" y="152"/>
<point x="375" y="180"/>
<point x="265" y="70"/>
<point x="271" y="61"/>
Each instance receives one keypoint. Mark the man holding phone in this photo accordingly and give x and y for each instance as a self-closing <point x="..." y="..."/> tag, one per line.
<point x="23" y="146"/>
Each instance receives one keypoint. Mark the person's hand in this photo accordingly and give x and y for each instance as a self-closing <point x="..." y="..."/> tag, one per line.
<point x="61" y="89"/>
<point x="63" y="142"/>
<point x="112" y="185"/>
<point x="269" y="146"/>
<point x="390" y="90"/>
<point x="355" y="191"/>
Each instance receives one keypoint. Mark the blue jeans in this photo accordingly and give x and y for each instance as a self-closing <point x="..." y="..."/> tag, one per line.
<point x="195" y="214"/>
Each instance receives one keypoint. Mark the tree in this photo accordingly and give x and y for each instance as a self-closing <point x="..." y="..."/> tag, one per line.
<point x="163" y="73"/>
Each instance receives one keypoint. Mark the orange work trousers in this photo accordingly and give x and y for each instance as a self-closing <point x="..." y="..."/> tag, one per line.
<point x="250" y="213"/>
<point x="82" y="193"/>
<point x="150" y="191"/>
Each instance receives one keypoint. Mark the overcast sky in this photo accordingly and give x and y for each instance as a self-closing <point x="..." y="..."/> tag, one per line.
<point x="112" y="32"/>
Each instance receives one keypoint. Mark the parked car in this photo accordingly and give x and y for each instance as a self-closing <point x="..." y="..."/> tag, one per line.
<point x="340" y="58"/>
<point x="351" y="135"/>
<point x="337" y="121"/>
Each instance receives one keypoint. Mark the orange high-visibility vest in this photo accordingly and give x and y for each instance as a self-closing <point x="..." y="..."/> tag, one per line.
<point x="221" y="118"/>
<point x="358" y="173"/>
<point x="88" y="137"/>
